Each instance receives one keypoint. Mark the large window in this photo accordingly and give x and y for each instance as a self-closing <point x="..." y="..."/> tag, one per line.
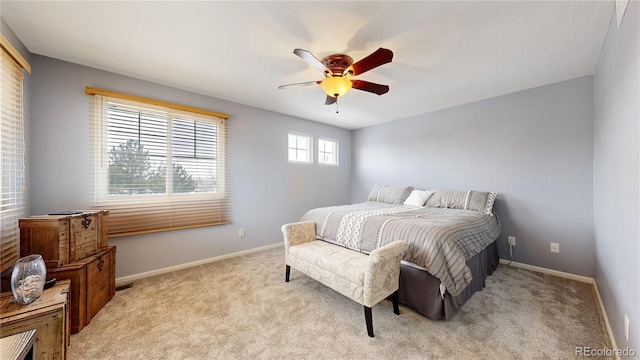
<point x="13" y="201"/>
<point x="157" y="167"/>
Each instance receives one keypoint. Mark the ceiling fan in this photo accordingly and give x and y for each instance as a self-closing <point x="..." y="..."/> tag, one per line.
<point x="338" y="70"/>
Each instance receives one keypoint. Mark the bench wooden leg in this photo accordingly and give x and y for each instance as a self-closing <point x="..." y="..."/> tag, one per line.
<point x="287" y="272"/>
<point x="368" y="320"/>
<point x="394" y="299"/>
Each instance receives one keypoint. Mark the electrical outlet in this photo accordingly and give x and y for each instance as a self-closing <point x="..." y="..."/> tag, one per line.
<point x="626" y="327"/>
<point x="241" y="233"/>
<point x="511" y="241"/>
<point x="555" y="248"/>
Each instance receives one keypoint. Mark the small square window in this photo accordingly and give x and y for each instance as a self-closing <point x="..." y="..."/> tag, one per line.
<point x="327" y="152"/>
<point x="300" y="148"/>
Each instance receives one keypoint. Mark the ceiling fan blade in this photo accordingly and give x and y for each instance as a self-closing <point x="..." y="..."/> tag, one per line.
<point x="370" y="87"/>
<point x="308" y="57"/>
<point x="377" y="58"/>
<point x="330" y="100"/>
<point x="299" y="84"/>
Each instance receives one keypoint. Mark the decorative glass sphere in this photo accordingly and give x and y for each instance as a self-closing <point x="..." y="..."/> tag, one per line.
<point x="27" y="278"/>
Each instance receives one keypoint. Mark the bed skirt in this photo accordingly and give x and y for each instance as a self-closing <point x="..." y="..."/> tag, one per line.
<point x="421" y="291"/>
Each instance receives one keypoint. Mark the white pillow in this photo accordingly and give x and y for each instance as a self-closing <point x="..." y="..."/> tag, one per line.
<point x="418" y="197"/>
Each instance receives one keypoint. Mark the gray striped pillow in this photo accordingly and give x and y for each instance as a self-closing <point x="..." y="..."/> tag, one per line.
<point x="389" y="194"/>
<point x="458" y="199"/>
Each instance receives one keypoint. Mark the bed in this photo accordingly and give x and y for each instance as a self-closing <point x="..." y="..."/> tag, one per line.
<point x="451" y="236"/>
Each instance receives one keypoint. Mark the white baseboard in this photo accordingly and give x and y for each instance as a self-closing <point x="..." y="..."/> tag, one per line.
<point x="580" y="278"/>
<point x="130" y="278"/>
<point x="561" y="274"/>
<point x="614" y="345"/>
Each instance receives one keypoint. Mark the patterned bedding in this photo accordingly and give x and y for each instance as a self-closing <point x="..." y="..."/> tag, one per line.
<point x="441" y="240"/>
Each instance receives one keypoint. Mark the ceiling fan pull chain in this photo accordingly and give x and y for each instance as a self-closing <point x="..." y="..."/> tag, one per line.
<point x="337" y="108"/>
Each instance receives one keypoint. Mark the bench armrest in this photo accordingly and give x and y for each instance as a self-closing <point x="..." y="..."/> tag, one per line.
<point x="382" y="276"/>
<point x="298" y="233"/>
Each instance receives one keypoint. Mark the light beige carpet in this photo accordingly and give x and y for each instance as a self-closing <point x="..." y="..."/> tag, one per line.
<point x="241" y="308"/>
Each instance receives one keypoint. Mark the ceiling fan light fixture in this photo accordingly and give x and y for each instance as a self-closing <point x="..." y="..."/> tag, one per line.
<point x="336" y="86"/>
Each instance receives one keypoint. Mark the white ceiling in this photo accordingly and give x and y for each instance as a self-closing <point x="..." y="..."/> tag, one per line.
<point x="445" y="53"/>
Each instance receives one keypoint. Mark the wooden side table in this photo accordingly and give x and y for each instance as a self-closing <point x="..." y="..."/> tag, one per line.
<point x="48" y="315"/>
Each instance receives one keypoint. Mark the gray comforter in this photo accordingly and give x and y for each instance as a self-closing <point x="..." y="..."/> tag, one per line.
<point x="440" y="240"/>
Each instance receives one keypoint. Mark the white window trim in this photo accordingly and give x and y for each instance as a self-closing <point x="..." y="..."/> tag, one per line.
<point x="101" y="196"/>
<point x="336" y="154"/>
<point x="309" y="151"/>
<point x="144" y="213"/>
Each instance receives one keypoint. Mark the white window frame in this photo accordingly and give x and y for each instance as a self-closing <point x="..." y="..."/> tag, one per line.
<point x="309" y="150"/>
<point x="102" y="196"/>
<point x="142" y="213"/>
<point x="334" y="152"/>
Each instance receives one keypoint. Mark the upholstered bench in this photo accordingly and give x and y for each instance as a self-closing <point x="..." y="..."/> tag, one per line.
<point x="366" y="279"/>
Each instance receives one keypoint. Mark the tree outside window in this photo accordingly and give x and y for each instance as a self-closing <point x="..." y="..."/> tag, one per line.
<point x="131" y="172"/>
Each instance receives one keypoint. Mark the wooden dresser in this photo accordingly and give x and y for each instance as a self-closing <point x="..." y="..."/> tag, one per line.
<point x="75" y="247"/>
<point x="48" y="315"/>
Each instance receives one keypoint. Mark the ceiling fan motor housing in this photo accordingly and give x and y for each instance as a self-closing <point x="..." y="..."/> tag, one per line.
<point x="338" y="64"/>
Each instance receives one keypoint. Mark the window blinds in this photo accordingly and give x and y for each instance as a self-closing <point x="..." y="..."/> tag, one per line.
<point x="12" y="160"/>
<point x="157" y="168"/>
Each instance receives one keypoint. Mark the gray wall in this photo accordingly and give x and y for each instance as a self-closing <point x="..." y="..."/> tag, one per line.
<point x="533" y="147"/>
<point x="266" y="191"/>
<point x="617" y="176"/>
